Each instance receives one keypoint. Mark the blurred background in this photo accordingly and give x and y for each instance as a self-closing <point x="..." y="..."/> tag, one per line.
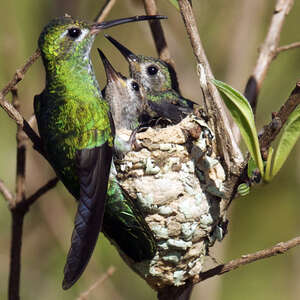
<point x="231" y="34"/>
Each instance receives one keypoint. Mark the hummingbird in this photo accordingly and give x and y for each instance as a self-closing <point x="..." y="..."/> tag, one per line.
<point x="159" y="82"/>
<point x="76" y="128"/>
<point x="124" y="96"/>
<point x="123" y="221"/>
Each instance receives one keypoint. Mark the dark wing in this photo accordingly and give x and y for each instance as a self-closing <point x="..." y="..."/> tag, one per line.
<point x="167" y="110"/>
<point x="93" y="170"/>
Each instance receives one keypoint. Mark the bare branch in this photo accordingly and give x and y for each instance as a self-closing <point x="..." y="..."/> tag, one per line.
<point x="267" y="51"/>
<point x="21" y="154"/>
<point x="111" y="270"/>
<point x="279" y="248"/>
<point x="19" y="75"/>
<point x="287" y="47"/>
<point x="273" y="128"/>
<point x="17" y="215"/>
<point x="20" y="121"/>
<point x="225" y="142"/>
<point x="15" y="254"/>
<point x="8" y="196"/>
<point x="158" y="33"/>
<point x="105" y="10"/>
<point x="41" y="191"/>
<point x="11" y="111"/>
<point x="18" y="211"/>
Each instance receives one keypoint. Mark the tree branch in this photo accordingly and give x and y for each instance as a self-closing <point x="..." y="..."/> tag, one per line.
<point x="41" y="191"/>
<point x="111" y="270"/>
<point x="12" y="112"/>
<point x="225" y="142"/>
<point x="158" y="33"/>
<point x="17" y="215"/>
<point x="15" y="254"/>
<point x="279" y="248"/>
<point x="287" y="47"/>
<point x="8" y="196"/>
<point x="105" y="10"/>
<point x="19" y="75"/>
<point x="22" y="123"/>
<point x="267" y="51"/>
<point x="21" y="154"/>
<point x="273" y="128"/>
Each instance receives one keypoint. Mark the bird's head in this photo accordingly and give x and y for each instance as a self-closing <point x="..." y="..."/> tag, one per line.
<point x="152" y="73"/>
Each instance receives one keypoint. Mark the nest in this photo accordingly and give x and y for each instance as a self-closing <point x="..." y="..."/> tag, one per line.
<point x="178" y="183"/>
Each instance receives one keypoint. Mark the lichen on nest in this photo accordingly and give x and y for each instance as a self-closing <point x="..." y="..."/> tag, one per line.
<point x="178" y="183"/>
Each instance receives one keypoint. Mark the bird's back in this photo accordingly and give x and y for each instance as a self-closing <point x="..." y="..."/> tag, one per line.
<point x="68" y="124"/>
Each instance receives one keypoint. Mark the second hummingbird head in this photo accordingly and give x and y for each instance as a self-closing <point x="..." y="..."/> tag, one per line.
<point x="152" y="73"/>
<point x="124" y="95"/>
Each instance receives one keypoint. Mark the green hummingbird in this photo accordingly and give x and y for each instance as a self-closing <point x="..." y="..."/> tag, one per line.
<point x="76" y="128"/>
<point x="159" y="82"/>
<point x="123" y="222"/>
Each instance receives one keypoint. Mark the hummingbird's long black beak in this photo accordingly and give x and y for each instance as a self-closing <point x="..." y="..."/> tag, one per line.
<point x="111" y="73"/>
<point x="96" y="27"/>
<point x="124" y="51"/>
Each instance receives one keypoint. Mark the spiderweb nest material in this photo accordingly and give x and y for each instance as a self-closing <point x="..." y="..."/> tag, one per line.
<point x="178" y="183"/>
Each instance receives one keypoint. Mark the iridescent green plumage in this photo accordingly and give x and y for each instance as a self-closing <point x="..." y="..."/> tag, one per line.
<point x="76" y="129"/>
<point x="159" y="81"/>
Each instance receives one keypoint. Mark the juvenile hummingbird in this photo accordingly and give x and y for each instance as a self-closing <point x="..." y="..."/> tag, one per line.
<point x="123" y="222"/>
<point x="159" y="83"/>
<point x="76" y="128"/>
<point x="124" y="96"/>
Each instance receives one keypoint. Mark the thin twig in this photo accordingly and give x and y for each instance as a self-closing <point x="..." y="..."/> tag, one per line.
<point x="273" y="128"/>
<point x="279" y="248"/>
<point x="17" y="215"/>
<point x="19" y="75"/>
<point x="7" y="194"/>
<point x="22" y="123"/>
<point x="111" y="270"/>
<point x="41" y="191"/>
<point x="11" y="111"/>
<point x="267" y="51"/>
<point x="105" y="10"/>
<point x="21" y="153"/>
<point x="15" y="254"/>
<point x="158" y="33"/>
<point x="18" y="212"/>
<point x="287" y="47"/>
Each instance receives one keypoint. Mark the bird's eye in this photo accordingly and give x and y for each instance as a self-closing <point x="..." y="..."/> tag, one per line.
<point x="74" y="32"/>
<point x="152" y="70"/>
<point x="135" y="86"/>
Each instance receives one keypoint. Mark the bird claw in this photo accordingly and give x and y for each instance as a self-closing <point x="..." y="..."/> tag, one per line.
<point x="135" y="146"/>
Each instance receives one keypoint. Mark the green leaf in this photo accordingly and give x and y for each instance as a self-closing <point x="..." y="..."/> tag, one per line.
<point x="251" y="167"/>
<point x="268" y="176"/>
<point x="290" y="135"/>
<point x="242" y="114"/>
<point x="175" y="3"/>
